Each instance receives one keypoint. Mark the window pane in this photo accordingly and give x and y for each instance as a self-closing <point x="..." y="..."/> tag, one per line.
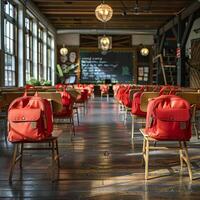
<point x="9" y="43"/>
<point x="29" y="47"/>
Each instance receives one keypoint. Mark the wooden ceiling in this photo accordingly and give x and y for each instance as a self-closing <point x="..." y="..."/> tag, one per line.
<point x="79" y="14"/>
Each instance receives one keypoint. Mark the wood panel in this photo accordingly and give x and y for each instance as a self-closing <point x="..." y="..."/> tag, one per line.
<point x="195" y="64"/>
<point x="78" y="14"/>
<point x="195" y="53"/>
<point x="100" y="163"/>
<point x="118" y="41"/>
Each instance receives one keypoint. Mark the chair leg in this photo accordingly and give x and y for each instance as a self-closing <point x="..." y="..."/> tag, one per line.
<point x="125" y="116"/>
<point x="119" y="107"/>
<point x="107" y="97"/>
<point x="77" y="113"/>
<point x="52" y="162"/>
<point x="186" y="158"/>
<point x="85" y="107"/>
<point x="72" y="125"/>
<point x="132" y="129"/>
<point x="5" y="132"/>
<point x="13" y="162"/>
<point x="146" y="159"/>
<point x="21" y="154"/>
<point x="143" y="151"/>
<point x="196" y="130"/>
<point x="57" y="154"/>
<point x="181" y="156"/>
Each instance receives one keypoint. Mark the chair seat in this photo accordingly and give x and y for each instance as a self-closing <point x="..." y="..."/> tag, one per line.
<point x="49" y="139"/>
<point x="145" y="134"/>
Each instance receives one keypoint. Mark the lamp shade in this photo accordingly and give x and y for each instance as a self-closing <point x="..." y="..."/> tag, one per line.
<point x="144" y="51"/>
<point x="103" y="12"/>
<point x="63" y="51"/>
<point x="104" y="43"/>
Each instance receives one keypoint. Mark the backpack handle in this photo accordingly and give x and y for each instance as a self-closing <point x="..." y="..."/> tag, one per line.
<point x="28" y="87"/>
<point x="168" y="87"/>
<point x="142" y="88"/>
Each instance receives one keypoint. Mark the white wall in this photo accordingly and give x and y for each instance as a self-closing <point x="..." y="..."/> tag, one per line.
<point x="138" y="39"/>
<point x="73" y="39"/>
<point x="68" y="39"/>
<point x="193" y="35"/>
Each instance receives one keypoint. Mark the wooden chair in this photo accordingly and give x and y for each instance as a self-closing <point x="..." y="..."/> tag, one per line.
<point x="80" y="101"/>
<point x="182" y="148"/>
<point x="143" y="106"/>
<point x="127" y="109"/>
<point x="104" y="91"/>
<point x="194" y="99"/>
<point x="57" y="107"/>
<point x="145" y="98"/>
<point x="19" y="148"/>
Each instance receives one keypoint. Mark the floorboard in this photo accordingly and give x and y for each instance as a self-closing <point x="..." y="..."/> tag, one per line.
<point x="100" y="163"/>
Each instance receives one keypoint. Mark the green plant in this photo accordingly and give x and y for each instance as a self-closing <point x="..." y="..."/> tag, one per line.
<point x="46" y="83"/>
<point x="34" y="81"/>
<point x="70" y="69"/>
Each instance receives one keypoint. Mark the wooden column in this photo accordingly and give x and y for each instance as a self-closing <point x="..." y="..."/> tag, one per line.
<point x="160" y="45"/>
<point x="1" y="43"/>
<point x="184" y="29"/>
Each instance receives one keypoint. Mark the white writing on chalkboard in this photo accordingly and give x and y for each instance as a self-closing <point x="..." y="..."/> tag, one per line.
<point x="116" y="66"/>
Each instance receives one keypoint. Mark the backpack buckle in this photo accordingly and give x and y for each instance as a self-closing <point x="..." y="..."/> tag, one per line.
<point x="183" y="125"/>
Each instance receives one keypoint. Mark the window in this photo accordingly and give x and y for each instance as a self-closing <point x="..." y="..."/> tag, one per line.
<point x="10" y="35"/>
<point x="49" y="58"/>
<point x="40" y="53"/>
<point x="29" y="46"/>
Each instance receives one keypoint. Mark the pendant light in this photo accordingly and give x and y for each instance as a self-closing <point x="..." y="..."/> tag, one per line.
<point x="63" y="51"/>
<point x="103" y="12"/>
<point x="105" y="43"/>
<point x="144" y="51"/>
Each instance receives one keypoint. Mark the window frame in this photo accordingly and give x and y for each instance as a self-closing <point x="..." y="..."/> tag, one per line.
<point x="29" y="59"/>
<point x="10" y="37"/>
<point x="49" y="61"/>
<point x="40" y="52"/>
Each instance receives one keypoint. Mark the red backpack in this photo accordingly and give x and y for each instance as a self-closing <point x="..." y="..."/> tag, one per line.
<point x="67" y="102"/>
<point x="126" y="97"/>
<point x="168" y="118"/>
<point x="120" y="93"/>
<point x="135" y="109"/>
<point x="29" y="118"/>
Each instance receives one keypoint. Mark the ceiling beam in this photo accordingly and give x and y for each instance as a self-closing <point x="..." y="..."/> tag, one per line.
<point x="186" y="13"/>
<point x="107" y="31"/>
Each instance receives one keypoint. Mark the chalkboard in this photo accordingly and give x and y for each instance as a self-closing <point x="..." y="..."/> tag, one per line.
<point x="114" y="66"/>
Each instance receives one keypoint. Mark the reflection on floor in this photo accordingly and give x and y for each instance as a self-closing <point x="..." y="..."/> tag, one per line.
<point x="100" y="163"/>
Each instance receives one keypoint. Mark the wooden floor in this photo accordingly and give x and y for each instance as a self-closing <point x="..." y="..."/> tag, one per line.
<point x="100" y="163"/>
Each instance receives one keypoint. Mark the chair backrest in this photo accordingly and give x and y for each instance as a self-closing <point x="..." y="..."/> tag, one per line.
<point x="191" y="97"/>
<point x="131" y="93"/>
<point x="144" y="100"/>
<point x="74" y="92"/>
<point x="8" y="97"/>
<point x="55" y="99"/>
